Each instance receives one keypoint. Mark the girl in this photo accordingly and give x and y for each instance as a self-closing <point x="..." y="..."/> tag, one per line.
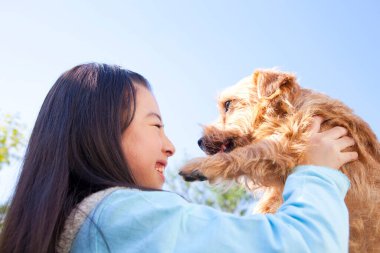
<point x="94" y="168"/>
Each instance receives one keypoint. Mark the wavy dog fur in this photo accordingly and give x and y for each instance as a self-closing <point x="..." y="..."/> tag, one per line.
<point x="263" y="127"/>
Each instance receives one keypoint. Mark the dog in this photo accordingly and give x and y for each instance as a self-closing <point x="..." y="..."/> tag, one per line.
<point x="261" y="135"/>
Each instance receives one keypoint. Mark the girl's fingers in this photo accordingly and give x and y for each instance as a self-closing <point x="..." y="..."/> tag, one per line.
<point x="316" y="124"/>
<point x="348" y="157"/>
<point x="345" y="142"/>
<point x="335" y="132"/>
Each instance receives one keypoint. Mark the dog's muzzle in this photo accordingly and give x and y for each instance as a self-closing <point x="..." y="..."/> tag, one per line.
<point x="213" y="148"/>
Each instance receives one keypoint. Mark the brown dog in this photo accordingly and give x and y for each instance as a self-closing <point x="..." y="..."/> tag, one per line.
<point x="261" y="135"/>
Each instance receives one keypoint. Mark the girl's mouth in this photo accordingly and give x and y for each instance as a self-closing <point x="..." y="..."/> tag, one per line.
<point x="160" y="168"/>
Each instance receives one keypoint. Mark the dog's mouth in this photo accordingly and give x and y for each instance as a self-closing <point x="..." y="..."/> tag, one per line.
<point x="211" y="148"/>
<point x="227" y="146"/>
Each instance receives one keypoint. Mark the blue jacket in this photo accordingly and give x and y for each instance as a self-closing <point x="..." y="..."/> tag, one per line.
<point x="313" y="218"/>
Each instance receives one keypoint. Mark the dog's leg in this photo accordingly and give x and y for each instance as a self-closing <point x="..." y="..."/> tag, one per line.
<point x="270" y="201"/>
<point x="266" y="163"/>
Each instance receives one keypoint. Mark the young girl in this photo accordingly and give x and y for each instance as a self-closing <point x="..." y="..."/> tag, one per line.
<point x="94" y="168"/>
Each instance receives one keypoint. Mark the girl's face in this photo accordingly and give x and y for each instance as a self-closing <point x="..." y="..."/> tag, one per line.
<point x="144" y="143"/>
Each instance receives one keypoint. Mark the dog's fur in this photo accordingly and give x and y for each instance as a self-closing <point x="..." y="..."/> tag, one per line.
<point x="261" y="135"/>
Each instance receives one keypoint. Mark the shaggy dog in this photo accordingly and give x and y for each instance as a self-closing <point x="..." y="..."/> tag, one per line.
<point x="261" y="135"/>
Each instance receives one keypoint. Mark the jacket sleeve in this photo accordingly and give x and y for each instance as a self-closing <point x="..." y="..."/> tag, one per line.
<point x="313" y="218"/>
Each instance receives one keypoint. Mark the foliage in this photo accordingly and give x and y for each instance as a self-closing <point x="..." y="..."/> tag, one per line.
<point x="3" y="209"/>
<point x="11" y="139"/>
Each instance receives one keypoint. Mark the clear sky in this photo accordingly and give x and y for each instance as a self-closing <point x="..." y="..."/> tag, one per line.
<point x="189" y="51"/>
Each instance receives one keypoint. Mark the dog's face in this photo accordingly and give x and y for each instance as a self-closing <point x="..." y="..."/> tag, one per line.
<point x="248" y="109"/>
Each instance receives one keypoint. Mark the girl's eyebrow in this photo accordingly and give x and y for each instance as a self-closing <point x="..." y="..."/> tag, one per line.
<point x="154" y="115"/>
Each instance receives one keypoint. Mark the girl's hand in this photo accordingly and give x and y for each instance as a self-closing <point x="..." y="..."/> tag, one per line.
<point x="325" y="148"/>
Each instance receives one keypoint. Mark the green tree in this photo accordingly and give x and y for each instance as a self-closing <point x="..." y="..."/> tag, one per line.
<point x="11" y="138"/>
<point x="11" y="142"/>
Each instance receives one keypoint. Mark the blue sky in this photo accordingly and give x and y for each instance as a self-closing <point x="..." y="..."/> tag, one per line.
<point x="189" y="51"/>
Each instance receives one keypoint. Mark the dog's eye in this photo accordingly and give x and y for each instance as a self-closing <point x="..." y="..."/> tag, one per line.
<point x="227" y="105"/>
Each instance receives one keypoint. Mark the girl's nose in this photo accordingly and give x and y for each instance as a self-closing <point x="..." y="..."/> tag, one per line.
<point x="169" y="147"/>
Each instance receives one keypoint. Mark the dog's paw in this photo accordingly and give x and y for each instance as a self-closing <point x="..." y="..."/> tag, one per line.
<point x="195" y="175"/>
<point x="191" y="171"/>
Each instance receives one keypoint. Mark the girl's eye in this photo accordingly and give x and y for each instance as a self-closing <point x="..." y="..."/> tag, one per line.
<point x="227" y="105"/>
<point x="159" y="125"/>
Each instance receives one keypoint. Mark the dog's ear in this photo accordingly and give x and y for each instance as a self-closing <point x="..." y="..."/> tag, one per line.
<point x="270" y="83"/>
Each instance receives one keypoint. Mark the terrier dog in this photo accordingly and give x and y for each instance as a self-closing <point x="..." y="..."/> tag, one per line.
<point x="261" y="135"/>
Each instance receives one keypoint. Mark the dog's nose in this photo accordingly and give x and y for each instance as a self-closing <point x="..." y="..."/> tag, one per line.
<point x="201" y="144"/>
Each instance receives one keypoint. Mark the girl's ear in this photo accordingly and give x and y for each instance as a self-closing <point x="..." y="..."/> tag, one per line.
<point x="270" y="83"/>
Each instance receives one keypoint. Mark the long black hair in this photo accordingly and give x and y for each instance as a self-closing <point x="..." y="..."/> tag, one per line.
<point x="74" y="150"/>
